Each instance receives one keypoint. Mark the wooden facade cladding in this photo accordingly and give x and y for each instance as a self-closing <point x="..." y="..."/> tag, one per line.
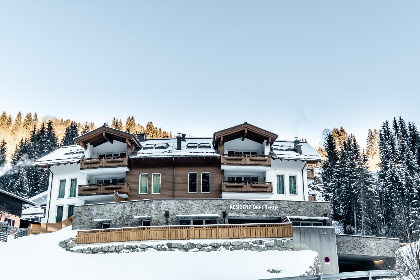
<point x="96" y="189"/>
<point x="174" y="176"/>
<point x="103" y="163"/>
<point x="259" y="160"/>
<point x="265" y="187"/>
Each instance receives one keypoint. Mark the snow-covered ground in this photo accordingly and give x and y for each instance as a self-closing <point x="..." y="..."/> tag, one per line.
<point x="40" y="257"/>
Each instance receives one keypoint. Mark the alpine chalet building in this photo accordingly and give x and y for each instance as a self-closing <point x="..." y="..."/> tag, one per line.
<point x="242" y="174"/>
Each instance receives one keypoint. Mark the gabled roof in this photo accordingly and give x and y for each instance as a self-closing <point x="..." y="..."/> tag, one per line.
<point x="17" y="197"/>
<point x="244" y="130"/>
<point x="105" y="134"/>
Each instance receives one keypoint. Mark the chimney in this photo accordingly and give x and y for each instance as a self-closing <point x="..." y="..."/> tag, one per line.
<point x="141" y="137"/>
<point x="298" y="146"/>
<point x="183" y="137"/>
<point x="178" y="141"/>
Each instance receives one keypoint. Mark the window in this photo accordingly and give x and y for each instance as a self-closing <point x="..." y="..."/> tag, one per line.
<point x="144" y="178"/>
<point x="292" y="185"/>
<point x="105" y="225"/>
<point x="280" y="184"/>
<point x="62" y="189"/>
<point x="73" y="184"/>
<point x="192" y="182"/>
<point x="145" y="223"/>
<point x="205" y="182"/>
<point x="59" y="216"/>
<point x="156" y="183"/>
<point x="70" y="211"/>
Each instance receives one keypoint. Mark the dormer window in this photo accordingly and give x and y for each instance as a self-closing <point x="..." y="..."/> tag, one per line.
<point x="192" y="145"/>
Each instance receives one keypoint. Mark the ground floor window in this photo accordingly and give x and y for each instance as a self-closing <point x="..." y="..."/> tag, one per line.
<point x="197" y="222"/>
<point x="145" y="223"/>
<point x="192" y="182"/>
<point x="156" y="183"/>
<point x="205" y="182"/>
<point x="70" y="210"/>
<point x="280" y="184"/>
<point x="292" y="185"/>
<point x="59" y="216"/>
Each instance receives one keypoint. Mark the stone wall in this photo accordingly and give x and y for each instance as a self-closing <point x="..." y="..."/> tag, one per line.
<point x="367" y="246"/>
<point x="122" y="214"/>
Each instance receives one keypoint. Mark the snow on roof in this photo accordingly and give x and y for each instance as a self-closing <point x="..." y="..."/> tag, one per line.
<point x="166" y="147"/>
<point x="38" y="196"/>
<point x="17" y="197"/>
<point x="66" y="154"/>
<point x="308" y="218"/>
<point x="285" y="150"/>
<point x="102" y="220"/>
<point x="198" y="216"/>
<point x="141" y="217"/>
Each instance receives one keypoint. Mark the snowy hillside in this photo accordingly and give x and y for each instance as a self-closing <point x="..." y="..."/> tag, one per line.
<point x="41" y="256"/>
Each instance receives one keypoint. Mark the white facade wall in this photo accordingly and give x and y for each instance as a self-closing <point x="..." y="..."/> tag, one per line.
<point x="246" y="145"/>
<point x="278" y="167"/>
<point x="115" y="147"/>
<point x="63" y="172"/>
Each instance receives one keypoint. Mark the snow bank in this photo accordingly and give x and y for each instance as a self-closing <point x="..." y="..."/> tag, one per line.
<point x="41" y="256"/>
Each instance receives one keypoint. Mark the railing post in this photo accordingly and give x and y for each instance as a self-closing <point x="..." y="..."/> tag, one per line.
<point x="369" y="275"/>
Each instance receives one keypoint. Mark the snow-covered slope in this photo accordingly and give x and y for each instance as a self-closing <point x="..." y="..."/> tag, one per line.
<point x="42" y="258"/>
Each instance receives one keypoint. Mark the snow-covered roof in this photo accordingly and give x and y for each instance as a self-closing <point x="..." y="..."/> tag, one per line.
<point x="17" y="197"/>
<point x="198" y="216"/>
<point x="307" y="218"/>
<point x="166" y="147"/>
<point x="39" y="196"/>
<point x="285" y="150"/>
<point x="66" y="154"/>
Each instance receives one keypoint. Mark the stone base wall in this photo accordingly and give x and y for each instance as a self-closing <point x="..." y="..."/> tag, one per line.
<point x="258" y="245"/>
<point x="367" y="246"/>
<point x="122" y="214"/>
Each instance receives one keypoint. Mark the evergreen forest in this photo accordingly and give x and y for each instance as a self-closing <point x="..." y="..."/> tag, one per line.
<point x="24" y="140"/>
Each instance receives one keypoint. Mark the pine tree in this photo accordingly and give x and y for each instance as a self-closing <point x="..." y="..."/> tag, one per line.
<point x="130" y="124"/>
<point x="35" y="121"/>
<point x="3" y="121"/>
<point x="3" y="162"/>
<point x="17" y="125"/>
<point x="71" y="133"/>
<point x="28" y="122"/>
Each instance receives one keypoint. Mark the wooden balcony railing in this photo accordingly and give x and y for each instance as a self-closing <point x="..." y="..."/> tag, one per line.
<point x="103" y="162"/>
<point x="310" y="174"/>
<point x="260" y="160"/>
<point x="185" y="232"/>
<point x="266" y="187"/>
<point x="103" y="189"/>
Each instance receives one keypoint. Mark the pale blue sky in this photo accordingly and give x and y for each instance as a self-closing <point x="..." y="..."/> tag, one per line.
<point x="291" y="67"/>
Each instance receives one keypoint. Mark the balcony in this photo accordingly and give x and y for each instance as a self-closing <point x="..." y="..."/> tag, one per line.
<point x="264" y="187"/>
<point x="260" y="160"/>
<point x="96" y="189"/>
<point x="93" y="163"/>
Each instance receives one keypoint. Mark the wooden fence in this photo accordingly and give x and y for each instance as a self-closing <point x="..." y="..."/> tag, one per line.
<point x="185" y="232"/>
<point x="50" y="227"/>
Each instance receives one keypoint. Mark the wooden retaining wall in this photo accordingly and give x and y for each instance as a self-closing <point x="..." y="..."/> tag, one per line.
<point x="49" y="227"/>
<point x="185" y="232"/>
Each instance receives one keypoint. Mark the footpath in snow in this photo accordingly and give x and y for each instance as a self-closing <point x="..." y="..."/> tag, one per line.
<point x="41" y="258"/>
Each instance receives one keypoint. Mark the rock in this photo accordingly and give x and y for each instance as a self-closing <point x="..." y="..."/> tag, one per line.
<point x="143" y="246"/>
<point x="195" y="250"/>
<point x="119" y="248"/>
<point x="112" y="248"/>
<point x="198" y="246"/>
<point x="270" y="243"/>
<point x="71" y="244"/>
<point x="236" y="243"/>
<point x="215" y="245"/>
<point x="62" y="244"/>
<point x="105" y="249"/>
<point x="95" y="250"/>
<point x="189" y="246"/>
<point x="226" y="243"/>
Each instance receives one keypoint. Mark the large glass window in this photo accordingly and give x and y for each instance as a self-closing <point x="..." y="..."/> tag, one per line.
<point x="205" y="182"/>
<point x="192" y="182"/>
<point x="280" y="184"/>
<point x="156" y="183"/>
<point x="144" y="178"/>
<point x="59" y="216"/>
<point x="292" y="185"/>
<point x="73" y="184"/>
<point x="70" y="211"/>
<point x="62" y="189"/>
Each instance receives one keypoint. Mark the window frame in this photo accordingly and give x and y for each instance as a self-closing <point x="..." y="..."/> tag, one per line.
<point x="56" y="213"/>
<point x="63" y="189"/>
<point x="147" y="183"/>
<point x="75" y="188"/>
<point x="196" y="182"/>
<point x="208" y="182"/>
<point x="284" y="185"/>
<point x="296" y="188"/>
<point x="68" y="208"/>
<point x="160" y="183"/>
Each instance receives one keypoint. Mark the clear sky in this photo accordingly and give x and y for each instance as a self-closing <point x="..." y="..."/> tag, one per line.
<point x="291" y="67"/>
